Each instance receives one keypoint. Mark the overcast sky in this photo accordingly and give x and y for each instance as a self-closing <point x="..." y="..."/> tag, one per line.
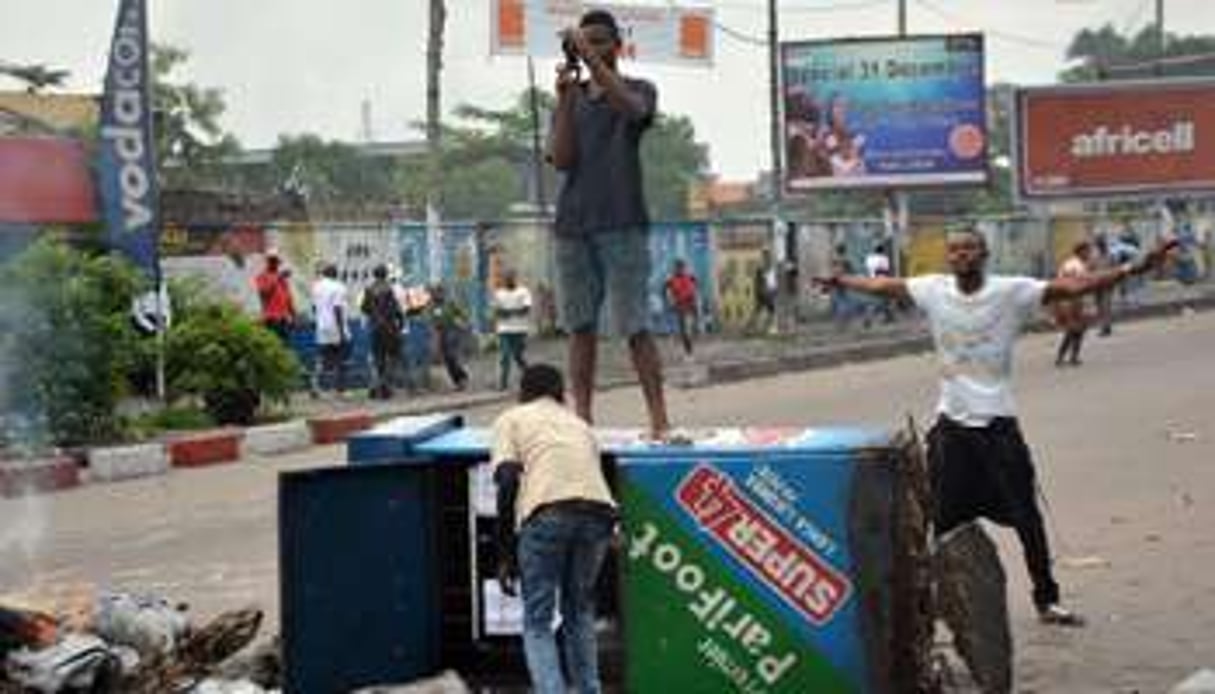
<point x="292" y="66"/>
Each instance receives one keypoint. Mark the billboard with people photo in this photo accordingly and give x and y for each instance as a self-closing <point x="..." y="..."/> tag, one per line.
<point x="884" y="112"/>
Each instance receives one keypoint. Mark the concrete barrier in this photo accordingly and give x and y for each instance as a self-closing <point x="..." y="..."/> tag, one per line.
<point x="38" y="475"/>
<point x="335" y="428"/>
<point x="116" y="463"/>
<point x="272" y="439"/>
<point x="197" y="449"/>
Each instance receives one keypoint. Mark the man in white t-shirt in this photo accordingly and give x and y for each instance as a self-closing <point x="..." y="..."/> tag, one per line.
<point x="332" y="330"/>
<point x="979" y="464"/>
<point x="513" y="314"/>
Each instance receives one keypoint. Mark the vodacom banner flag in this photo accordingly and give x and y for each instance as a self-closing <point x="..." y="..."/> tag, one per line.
<point x="657" y="32"/>
<point x="130" y="193"/>
<point x="1116" y="140"/>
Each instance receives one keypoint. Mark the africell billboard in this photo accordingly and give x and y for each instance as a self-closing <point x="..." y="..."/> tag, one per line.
<point x="1115" y="140"/>
<point x="884" y="112"/>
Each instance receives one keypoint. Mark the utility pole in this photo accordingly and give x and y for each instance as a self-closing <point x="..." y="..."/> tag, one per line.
<point x="897" y="203"/>
<point x="778" y="183"/>
<point x="537" y="152"/>
<point x="1160" y="38"/>
<point x="434" y="67"/>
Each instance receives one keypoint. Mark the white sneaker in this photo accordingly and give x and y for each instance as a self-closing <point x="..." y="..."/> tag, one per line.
<point x="1058" y="615"/>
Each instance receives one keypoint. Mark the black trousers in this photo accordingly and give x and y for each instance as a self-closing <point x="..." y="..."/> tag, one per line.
<point x="449" y="350"/>
<point x="987" y="472"/>
<point x="385" y="357"/>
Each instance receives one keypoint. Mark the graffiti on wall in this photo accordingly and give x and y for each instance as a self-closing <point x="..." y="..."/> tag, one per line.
<point x="526" y="248"/>
<point x="739" y="248"/>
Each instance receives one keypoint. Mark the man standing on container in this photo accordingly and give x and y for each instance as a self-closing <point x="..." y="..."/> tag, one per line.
<point x="602" y="249"/>
<point x="551" y="489"/>
<point x="979" y="464"/>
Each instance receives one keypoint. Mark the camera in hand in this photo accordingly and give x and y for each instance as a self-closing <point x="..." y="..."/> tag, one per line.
<point x="570" y="49"/>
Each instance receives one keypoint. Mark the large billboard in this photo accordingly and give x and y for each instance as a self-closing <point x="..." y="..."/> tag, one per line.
<point x="657" y="32"/>
<point x="884" y="112"/>
<point x="45" y="180"/>
<point x="1115" y="140"/>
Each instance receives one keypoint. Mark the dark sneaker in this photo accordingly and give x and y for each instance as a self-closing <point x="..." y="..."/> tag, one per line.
<point x="1057" y="615"/>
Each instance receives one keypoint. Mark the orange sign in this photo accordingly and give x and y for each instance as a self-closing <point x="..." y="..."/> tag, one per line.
<point x="659" y="32"/>
<point x="1116" y="140"/>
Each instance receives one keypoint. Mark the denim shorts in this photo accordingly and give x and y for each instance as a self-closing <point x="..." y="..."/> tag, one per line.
<point x="604" y="267"/>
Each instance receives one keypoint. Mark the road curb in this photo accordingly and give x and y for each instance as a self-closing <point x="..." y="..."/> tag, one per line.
<point x="117" y="463"/>
<point x="204" y="448"/>
<point x="337" y="427"/>
<point x="276" y="439"/>
<point x="38" y="476"/>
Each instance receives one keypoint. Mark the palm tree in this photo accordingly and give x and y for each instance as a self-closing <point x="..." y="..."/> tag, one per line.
<point x="36" y="76"/>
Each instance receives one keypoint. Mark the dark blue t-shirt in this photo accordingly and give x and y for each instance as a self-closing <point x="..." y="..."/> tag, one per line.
<point x="602" y="189"/>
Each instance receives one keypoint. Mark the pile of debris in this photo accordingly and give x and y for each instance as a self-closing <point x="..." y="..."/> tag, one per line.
<point x="131" y="643"/>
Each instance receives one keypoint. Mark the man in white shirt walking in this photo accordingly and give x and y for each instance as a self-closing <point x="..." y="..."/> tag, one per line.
<point x="979" y="464"/>
<point x="332" y="330"/>
<point x="513" y="314"/>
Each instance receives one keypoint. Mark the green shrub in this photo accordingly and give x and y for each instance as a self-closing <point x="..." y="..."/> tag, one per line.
<point x="178" y="418"/>
<point x="66" y="341"/>
<point x="222" y="356"/>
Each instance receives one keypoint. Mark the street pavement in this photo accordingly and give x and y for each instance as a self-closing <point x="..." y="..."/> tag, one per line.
<point x="1124" y="446"/>
<point x="718" y="358"/>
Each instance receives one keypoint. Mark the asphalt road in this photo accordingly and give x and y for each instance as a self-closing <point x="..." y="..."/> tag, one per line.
<point x="1125" y="447"/>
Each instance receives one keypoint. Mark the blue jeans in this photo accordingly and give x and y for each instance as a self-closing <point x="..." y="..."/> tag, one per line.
<point x="560" y="553"/>
<point x="510" y="349"/>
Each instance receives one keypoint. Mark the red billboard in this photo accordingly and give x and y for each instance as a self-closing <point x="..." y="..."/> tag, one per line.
<point x="1115" y="140"/>
<point x="45" y="180"/>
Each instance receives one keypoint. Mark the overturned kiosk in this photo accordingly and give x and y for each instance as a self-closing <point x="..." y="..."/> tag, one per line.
<point x="752" y="560"/>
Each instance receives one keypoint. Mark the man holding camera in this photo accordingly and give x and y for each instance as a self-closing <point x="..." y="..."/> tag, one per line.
<point x="602" y="225"/>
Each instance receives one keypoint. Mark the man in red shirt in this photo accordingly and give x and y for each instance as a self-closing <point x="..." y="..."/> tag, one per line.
<point x="273" y="286"/>
<point x="681" y="294"/>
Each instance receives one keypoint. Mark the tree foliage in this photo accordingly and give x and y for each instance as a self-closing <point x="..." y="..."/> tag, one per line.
<point x="65" y="326"/>
<point x="190" y="141"/>
<point x="35" y="76"/>
<point x="332" y="173"/>
<point x="488" y="162"/>
<point x="672" y="161"/>
<point x="1107" y="54"/>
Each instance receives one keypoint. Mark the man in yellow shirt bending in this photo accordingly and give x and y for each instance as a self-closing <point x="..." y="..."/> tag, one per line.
<point x="552" y="491"/>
